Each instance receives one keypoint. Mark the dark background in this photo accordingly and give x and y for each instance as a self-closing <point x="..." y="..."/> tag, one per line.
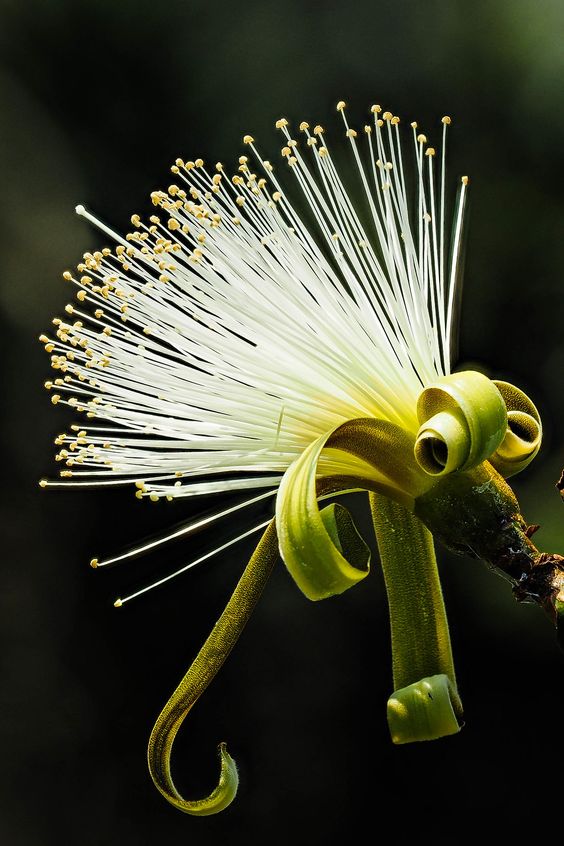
<point x="97" y="99"/>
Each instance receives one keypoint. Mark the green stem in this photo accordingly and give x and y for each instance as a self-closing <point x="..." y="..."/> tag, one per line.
<point x="421" y="649"/>
<point x="203" y="670"/>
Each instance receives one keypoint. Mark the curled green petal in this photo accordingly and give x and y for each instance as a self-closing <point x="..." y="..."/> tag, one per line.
<point x="210" y="658"/>
<point x="325" y="562"/>
<point x="463" y="421"/>
<point x="523" y="435"/>
<point x="312" y="542"/>
<point x="424" y="710"/>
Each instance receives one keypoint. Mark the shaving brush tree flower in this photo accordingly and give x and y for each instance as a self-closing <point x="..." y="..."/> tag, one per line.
<point x="234" y="342"/>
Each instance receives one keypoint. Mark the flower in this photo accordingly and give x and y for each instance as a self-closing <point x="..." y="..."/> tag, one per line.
<point x="225" y="334"/>
<point x="242" y="340"/>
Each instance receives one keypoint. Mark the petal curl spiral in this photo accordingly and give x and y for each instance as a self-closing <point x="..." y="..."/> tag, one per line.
<point x="523" y="436"/>
<point x="463" y="421"/>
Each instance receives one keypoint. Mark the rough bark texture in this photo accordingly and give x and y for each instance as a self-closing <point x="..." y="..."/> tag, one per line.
<point x="476" y="513"/>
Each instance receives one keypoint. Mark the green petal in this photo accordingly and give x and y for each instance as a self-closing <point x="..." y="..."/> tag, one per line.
<point x="463" y="421"/>
<point x="523" y="435"/>
<point x="204" y="668"/>
<point x="314" y="544"/>
<point x="425" y="710"/>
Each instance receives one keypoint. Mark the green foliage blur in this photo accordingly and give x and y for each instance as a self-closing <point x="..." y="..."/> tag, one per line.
<point x="97" y="99"/>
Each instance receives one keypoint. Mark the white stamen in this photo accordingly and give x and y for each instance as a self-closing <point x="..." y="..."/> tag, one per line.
<point x="119" y="602"/>
<point x="224" y="314"/>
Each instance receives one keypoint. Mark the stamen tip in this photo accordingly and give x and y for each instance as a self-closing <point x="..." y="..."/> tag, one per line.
<point x="94" y="563"/>
<point x="118" y="603"/>
<point x="43" y="483"/>
<point x="80" y="210"/>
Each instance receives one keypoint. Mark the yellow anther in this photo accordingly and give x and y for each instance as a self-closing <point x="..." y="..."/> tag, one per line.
<point x="351" y="133"/>
<point x="413" y="124"/>
<point x="368" y="129"/>
<point x="281" y="123"/>
<point x="218" y="166"/>
<point x="318" y="130"/>
<point x="422" y="139"/>
<point x="248" y="139"/>
<point x="43" y="483"/>
<point x="199" y="162"/>
<point x="44" y="339"/>
<point x="118" y="603"/>
<point x="69" y="308"/>
<point x="341" y="105"/>
<point x="430" y="151"/>
<point x="387" y="116"/>
<point x="304" y="125"/>
<point x="446" y="120"/>
<point x="173" y="224"/>
<point x="375" y="109"/>
<point x="323" y="152"/>
<point x="154" y="497"/>
<point x="395" y="120"/>
<point x="135" y="220"/>
<point x="277" y="196"/>
<point x="465" y="180"/>
<point x="85" y="280"/>
<point x="285" y="151"/>
<point x="67" y="275"/>
<point x="94" y="563"/>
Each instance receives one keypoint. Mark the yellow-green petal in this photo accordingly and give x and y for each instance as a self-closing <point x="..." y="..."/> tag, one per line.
<point x="311" y="543"/>
<point x="523" y="435"/>
<point x="205" y="666"/>
<point x="320" y="565"/>
<point x="463" y="421"/>
<point x="424" y="710"/>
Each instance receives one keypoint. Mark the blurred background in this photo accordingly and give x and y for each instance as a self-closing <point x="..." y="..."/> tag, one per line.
<point x="97" y="99"/>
